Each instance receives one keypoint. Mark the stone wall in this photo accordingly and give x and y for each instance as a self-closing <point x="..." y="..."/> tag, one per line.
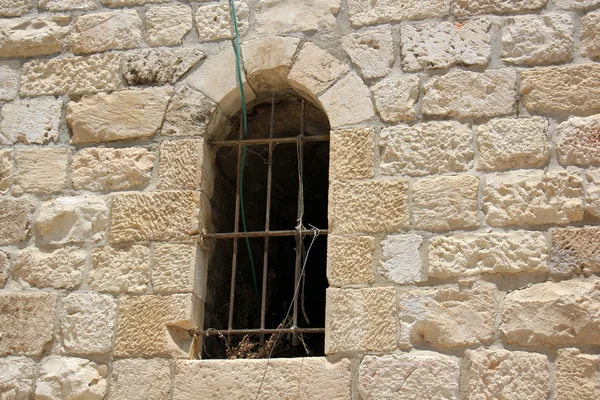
<point x="464" y="194"/>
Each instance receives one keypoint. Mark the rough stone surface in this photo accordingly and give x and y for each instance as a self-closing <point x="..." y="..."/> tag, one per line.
<point x="447" y="317"/>
<point x="58" y="269"/>
<point x="167" y="25"/>
<point x="120" y="270"/>
<point x="6" y="167"/>
<point x="350" y="259"/>
<point x="372" y="51"/>
<point x="426" y="148"/>
<point x="40" y="170"/>
<point x="400" y="259"/>
<point x="27" y="321"/>
<point x="15" y="219"/>
<point x="368" y="206"/>
<point x="492" y="253"/>
<point x="445" y="203"/>
<point x="507" y="143"/>
<point x="575" y="251"/>
<point x="474" y="7"/>
<point x="131" y="3"/>
<point x="315" y="70"/>
<point x="4" y="267"/>
<point x="503" y="374"/>
<point x="214" y="21"/>
<point x="282" y="16"/>
<point x="87" y="323"/>
<point x="31" y="121"/>
<point x="104" y="169"/>
<point x="409" y="377"/>
<point x="577" y="375"/>
<point x="563" y="313"/>
<point x="140" y="379"/>
<point x="70" y="378"/>
<point x="107" y="31"/>
<point x="128" y="114"/>
<point x="174" y="268"/>
<point x="352" y="154"/>
<point x="14" y="8"/>
<point x="340" y="111"/>
<point x="366" y="12"/>
<point x="9" y="82"/>
<point x="74" y="219"/>
<point x="576" y="4"/>
<point x="577" y="141"/>
<point x="158" y="67"/>
<point x="533" y="198"/>
<point x="444" y="44"/>
<point x="183" y="164"/>
<point x="590" y="38"/>
<point x="16" y="378"/>
<point x="32" y="37"/>
<point x="67" y="5"/>
<point x="395" y="98"/>
<point x="189" y="113"/>
<point x="268" y="61"/>
<point x="360" y="320"/>
<point x="592" y="193"/>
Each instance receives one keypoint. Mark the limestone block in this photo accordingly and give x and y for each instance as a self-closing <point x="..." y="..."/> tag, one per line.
<point x="41" y="170"/>
<point x="342" y="112"/>
<point x="590" y="38"/>
<point x="14" y="8"/>
<point x="352" y="154"/>
<point x="6" y="167"/>
<point x="214" y="379"/>
<point x="184" y="164"/>
<point x="533" y="198"/>
<point x="99" y="32"/>
<point x="15" y="219"/>
<point x="154" y="326"/>
<point x="167" y="25"/>
<point x="465" y="94"/>
<point x="189" y="114"/>
<point x="130" y="3"/>
<point x="4" y="268"/>
<point x="474" y="7"/>
<point x="487" y="253"/>
<point x="503" y="374"/>
<point x="105" y="169"/>
<point x="368" y="206"/>
<point x="577" y="375"/>
<point x="577" y="141"/>
<point x="67" y="5"/>
<point x="552" y="314"/>
<point x="268" y="61"/>
<point x="360" y="320"/>
<point x="282" y="16"/>
<point x="537" y="40"/>
<point x="575" y="251"/>
<point x="138" y="378"/>
<point x="58" y="269"/>
<point x="16" y="378"/>
<point x="158" y="67"/>
<point x="120" y="270"/>
<point x="74" y="219"/>
<point x="87" y="323"/>
<point x="445" y="203"/>
<point x="128" y="114"/>
<point x="315" y="70"/>
<point x="33" y="37"/>
<point x="31" y="121"/>
<point x="350" y="259"/>
<point x="158" y="216"/>
<point x="404" y="376"/>
<point x="74" y="75"/>
<point x="9" y="82"/>
<point x="70" y="378"/>
<point x="426" y="148"/>
<point x="27" y="322"/>
<point x="400" y="259"/>
<point x="592" y="193"/>
<point x="214" y="22"/>
<point x="573" y="89"/>
<point x="576" y="4"/>
<point x="366" y="12"/>
<point x="447" y="317"/>
<point x="437" y="44"/>
<point x="508" y="143"/>
<point x="395" y="98"/>
<point x="174" y="268"/>
<point x="372" y="51"/>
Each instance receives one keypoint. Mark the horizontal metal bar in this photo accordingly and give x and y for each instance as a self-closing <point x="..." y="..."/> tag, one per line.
<point x="248" y="142"/>
<point x="233" y="235"/>
<point x="214" y="332"/>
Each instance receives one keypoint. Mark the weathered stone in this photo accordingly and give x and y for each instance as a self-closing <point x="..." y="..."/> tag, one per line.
<point x="426" y="148"/>
<point x="120" y="270"/>
<point x="140" y="379"/>
<point x="154" y="326"/>
<point x="40" y="170"/>
<point x="268" y="61"/>
<point x="67" y="5"/>
<point x="32" y="37"/>
<point x="6" y="167"/>
<point x="15" y="219"/>
<point x="342" y="112"/>
<point x="128" y="114"/>
<point x="409" y="377"/>
<point x="473" y="7"/>
<point x="563" y="313"/>
<point x="58" y="269"/>
<point x="27" y="321"/>
<point x="184" y="164"/>
<point x="577" y="141"/>
<point x="174" y="268"/>
<point x="214" y="22"/>
<point x="487" y="253"/>
<point x="14" y="8"/>
<point x="395" y="98"/>
<point x="366" y="12"/>
<point x="87" y="323"/>
<point x="503" y="374"/>
<point x="592" y="193"/>
<point x="352" y="154"/>
<point x="447" y="317"/>
<point x="9" y="82"/>
<point x="360" y="320"/>
<point x="75" y="75"/>
<point x="533" y="198"/>
<point x="282" y="16"/>
<point x="444" y="44"/>
<point x="158" y="67"/>
<point x="70" y="378"/>
<point x="189" y="114"/>
<point x="590" y="38"/>
<point x="315" y="70"/>
<point x="74" y="219"/>
<point x="465" y="94"/>
<point x="215" y="379"/>
<point x="31" y="121"/>
<point x="573" y="89"/>
<point x="577" y="375"/>
<point x="350" y="259"/>
<point x="372" y="51"/>
<point x="99" y="32"/>
<point x="131" y="3"/>
<point x="167" y="25"/>
<point x="400" y="259"/>
<point x="104" y="169"/>
<point x="575" y="251"/>
<point x="16" y="378"/>
<point x="368" y="206"/>
<point x="4" y="267"/>
<point x="576" y="4"/>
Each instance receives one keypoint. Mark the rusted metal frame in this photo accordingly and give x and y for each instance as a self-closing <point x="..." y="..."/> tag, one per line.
<point x="214" y="332"/>
<point x="274" y="140"/>
<point x="259" y="234"/>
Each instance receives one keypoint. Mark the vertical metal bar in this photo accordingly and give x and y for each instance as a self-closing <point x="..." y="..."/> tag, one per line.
<point x="299" y="237"/>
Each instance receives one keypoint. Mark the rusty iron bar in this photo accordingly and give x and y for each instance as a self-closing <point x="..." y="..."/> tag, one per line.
<point x="214" y="332"/>
<point x="259" y="234"/>
<point x="275" y="140"/>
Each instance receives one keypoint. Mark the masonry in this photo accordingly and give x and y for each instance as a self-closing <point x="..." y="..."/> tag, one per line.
<point x="464" y="195"/>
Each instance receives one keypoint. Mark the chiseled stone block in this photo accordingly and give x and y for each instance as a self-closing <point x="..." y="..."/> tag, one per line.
<point x="401" y="260"/>
<point x="185" y="164"/>
<point x="16" y="377"/>
<point x="189" y="114"/>
<point x="282" y="16"/>
<point x="367" y="12"/>
<point x="167" y="25"/>
<point x="372" y="51"/>
<point x="352" y="154"/>
<point x="67" y="5"/>
<point x="174" y="268"/>
<point x="577" y="141"/>
<point x="342" y="112"/>
<point x="16" y="216"/>
<point x="590" y="37"/>
<point x="70" y="378"/>
<point x="9" y="81"/>
<point x="6" y="169"/>
<point x="268" y="60"/>
<point x="350" y="259"/>
<point x="59" y="269"/>
<point x="120" y="270"/>
<point x="474" y="7"/>
<point x="592" y="192"/>
<point x="136" y="378"/>
<point x="213" y="21"/>
<point x="315" y="70"/>
<point x="577" y="375"/>
<point x="4" y="268"/>
<point x="575" y="251"/>
<point x="158" y="67"/>
<point x="395" y="98"/>
<point x="40" y="170"/>
<point x="100" y="32"/>
<point x="33" y="37"/>
<point x="14" y="8"/>
<point x="31" y="121"/>
<point x="130" y="3"/>
<point x="576" y="4"/>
